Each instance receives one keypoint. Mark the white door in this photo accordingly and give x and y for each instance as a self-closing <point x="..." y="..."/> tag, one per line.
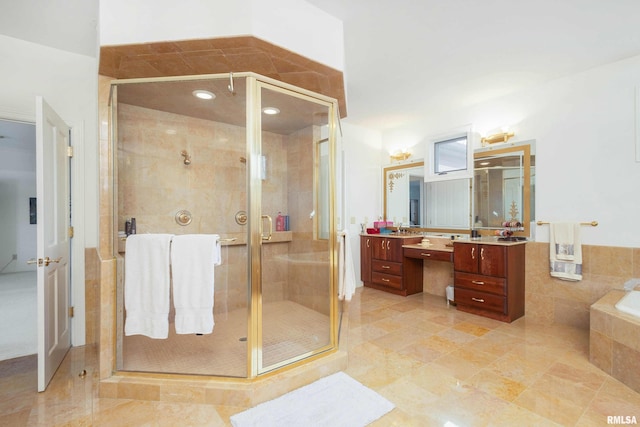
<point x="53" y="221"/>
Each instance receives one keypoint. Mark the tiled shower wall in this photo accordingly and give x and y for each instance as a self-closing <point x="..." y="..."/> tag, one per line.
<point x="309" y="256"/>
<point x="154" y="184"/>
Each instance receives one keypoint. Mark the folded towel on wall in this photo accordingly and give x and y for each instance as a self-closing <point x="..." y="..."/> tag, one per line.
<point x="146" y="285"/>
<point x="346" y="271"/>
<point x="565" y="251"/>
<point x="193" y="257"/>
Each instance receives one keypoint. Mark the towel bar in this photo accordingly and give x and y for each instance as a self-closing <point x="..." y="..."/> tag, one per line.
<point x="592" y="223"/>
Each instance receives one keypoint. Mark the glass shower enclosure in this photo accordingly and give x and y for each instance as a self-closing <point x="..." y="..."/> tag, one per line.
<point x="251" y="160"/>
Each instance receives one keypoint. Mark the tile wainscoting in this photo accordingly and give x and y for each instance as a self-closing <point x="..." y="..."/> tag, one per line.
<point x="553" y="301"/>
<point x="548" y="300"/>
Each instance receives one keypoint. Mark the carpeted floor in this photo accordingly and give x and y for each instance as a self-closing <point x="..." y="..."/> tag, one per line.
<point x="18" y="314"/>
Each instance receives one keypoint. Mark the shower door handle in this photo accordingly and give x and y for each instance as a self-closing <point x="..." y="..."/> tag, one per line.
<point x="267" y="236"/>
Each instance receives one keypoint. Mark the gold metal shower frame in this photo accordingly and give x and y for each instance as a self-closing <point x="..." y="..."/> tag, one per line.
<point x="255" y="83"/>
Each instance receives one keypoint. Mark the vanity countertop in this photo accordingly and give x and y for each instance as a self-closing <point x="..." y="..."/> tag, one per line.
<point x="491" y="240"/>
<point x="393" y="235"/>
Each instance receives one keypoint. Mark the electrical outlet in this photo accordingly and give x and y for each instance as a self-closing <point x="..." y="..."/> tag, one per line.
<point x="353" y="220"/>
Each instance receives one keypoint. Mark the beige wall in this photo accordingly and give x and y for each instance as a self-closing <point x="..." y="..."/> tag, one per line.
<point x="549" y="300"/>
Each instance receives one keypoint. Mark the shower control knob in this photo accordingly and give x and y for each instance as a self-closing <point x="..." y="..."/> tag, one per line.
<point x="183" y="217"/>
<point x="241" y="218"/>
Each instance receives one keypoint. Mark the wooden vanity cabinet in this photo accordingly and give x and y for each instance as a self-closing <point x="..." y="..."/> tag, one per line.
<point x="383" y="267"/>
<point x="365" y="258"/>
<point x="489" y="279"/>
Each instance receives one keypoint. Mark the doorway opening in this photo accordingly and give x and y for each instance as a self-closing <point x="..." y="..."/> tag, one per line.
<point x="18" y="307"/>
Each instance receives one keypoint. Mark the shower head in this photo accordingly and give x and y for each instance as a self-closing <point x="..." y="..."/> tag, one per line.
<point x="187" y="157"/>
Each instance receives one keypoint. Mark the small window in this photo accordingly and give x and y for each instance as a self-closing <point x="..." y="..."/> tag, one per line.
<point x="449" y="157"/>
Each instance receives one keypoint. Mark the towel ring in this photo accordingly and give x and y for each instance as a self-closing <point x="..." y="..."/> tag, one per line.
<point x="183" y="217"/>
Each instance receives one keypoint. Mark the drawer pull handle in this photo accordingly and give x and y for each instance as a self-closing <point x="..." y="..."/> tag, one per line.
<point x="423" y="254"/>
<point x="386" y="266"/>
<point x="477" y="282"/>
<point x="478" y="299"/>
<point x="473" y="250"/>
<point x="385" y="280"/>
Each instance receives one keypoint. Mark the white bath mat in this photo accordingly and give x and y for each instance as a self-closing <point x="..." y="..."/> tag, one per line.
<point x="336" y="400"/>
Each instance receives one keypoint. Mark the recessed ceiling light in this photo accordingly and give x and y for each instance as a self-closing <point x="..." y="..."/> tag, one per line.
<point x="270" y="110"/>
<point x="203" y="94"/>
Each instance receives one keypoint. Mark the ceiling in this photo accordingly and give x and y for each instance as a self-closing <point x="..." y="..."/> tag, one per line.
<point x="408" y="59"/>
<point x="177" y="97"/>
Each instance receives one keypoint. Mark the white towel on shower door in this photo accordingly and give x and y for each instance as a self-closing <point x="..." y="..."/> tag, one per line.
<point x="346" y="271"/>
<point x="193" y="257"/>
<point x="146" y="285"/>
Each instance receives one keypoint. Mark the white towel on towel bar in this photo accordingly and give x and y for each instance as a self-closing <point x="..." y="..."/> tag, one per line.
<point x="193" y="257"/>
<point x="565" y="251"/>
<point x="146" y="285"/>
<point x="346" y="271"/>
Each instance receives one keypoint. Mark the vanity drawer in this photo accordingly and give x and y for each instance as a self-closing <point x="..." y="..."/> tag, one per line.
<point x="387" y="267"/>
<point x="494" y="285"/>
<point x="387" y="280"/>
<point x="428" y="254"/>
<point x="481" y="300"/>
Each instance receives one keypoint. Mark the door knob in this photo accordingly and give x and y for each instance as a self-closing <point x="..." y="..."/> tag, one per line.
<point x="48" y="261"/>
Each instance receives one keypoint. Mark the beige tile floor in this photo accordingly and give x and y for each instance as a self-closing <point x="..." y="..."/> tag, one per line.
<point x="440" y="367"/>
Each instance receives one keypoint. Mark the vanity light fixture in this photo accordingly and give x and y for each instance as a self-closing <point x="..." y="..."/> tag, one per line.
<point x="497" y="137"/>
<point x="399" y="155"/>
<point x="271" y="111"/>
<point x="203" y="94"/>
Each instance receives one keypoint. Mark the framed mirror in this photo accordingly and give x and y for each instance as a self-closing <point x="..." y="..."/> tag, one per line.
<point x="404" y="194"/>
<point x="442" y="206"/>
<point x="504" y="188"/>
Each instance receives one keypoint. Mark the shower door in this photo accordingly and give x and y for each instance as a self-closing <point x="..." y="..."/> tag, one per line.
<point x="293" y="150"/>
<point x="182" y="170"/>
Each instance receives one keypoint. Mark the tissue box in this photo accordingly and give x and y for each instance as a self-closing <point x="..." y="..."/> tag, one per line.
<point x="382" y="224"/>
